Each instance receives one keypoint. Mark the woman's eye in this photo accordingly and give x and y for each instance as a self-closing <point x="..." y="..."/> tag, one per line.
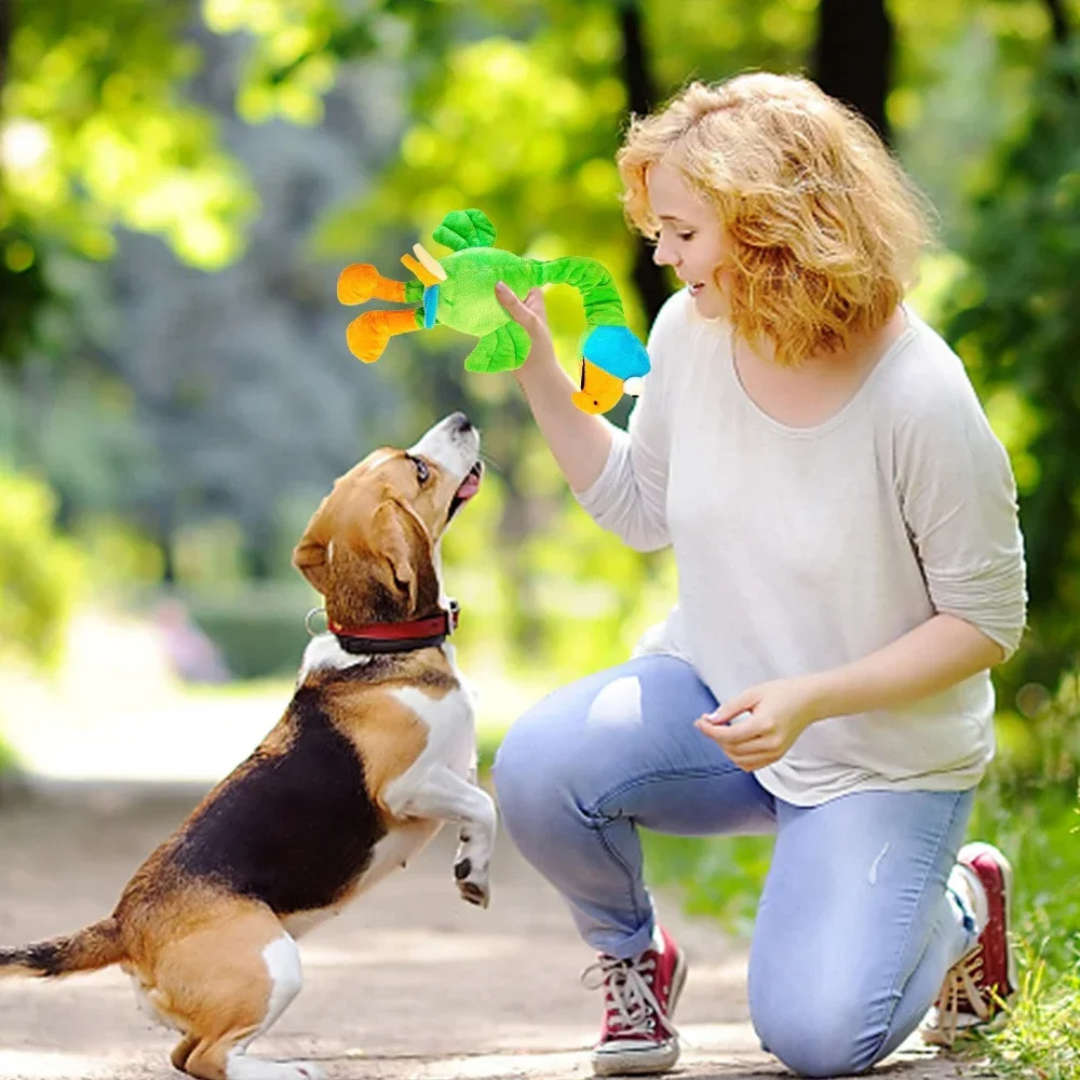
<point x="686" y="236"/>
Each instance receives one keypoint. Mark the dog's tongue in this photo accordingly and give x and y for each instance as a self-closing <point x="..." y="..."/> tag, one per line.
<point x="469" y="486"/>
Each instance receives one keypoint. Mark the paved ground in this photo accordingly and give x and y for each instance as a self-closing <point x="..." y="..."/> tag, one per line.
<point x="408" y="984"/>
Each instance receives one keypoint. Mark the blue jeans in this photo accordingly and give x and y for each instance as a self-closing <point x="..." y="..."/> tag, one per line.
<point x="854" y="929"/>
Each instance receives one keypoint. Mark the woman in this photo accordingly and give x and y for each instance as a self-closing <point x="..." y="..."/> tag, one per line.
<point x="850" y="566"/>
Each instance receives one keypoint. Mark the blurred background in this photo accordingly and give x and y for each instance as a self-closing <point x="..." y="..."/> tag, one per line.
<point x="180" y="183"/>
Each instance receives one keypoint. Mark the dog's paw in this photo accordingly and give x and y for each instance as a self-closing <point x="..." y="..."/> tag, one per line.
<point x="473" y="886"/>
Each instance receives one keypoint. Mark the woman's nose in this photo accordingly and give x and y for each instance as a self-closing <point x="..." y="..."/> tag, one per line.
<point x="661" y="256"/>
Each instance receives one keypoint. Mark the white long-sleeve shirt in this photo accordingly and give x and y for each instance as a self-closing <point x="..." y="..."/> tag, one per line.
<point x="801" y="549"/>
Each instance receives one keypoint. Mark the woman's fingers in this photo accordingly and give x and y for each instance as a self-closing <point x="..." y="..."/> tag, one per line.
<point x="534" y="301"/>
<point x="515" y="308"/>
<point x="733" y="734"/>
<point x="530" y="314"/>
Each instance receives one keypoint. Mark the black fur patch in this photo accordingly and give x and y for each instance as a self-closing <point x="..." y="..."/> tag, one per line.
<point x="46" y="958"/>
<point x="385" y="668"/>
<point x="293" y="830"/>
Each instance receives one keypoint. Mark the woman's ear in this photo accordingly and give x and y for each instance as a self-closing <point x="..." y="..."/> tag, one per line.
<point x="311" y="555"/>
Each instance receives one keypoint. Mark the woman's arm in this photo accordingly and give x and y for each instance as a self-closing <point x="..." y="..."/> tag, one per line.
<point x="579" y="441"/>
<point x="619" y="477"/>
<point x="927" y="660"/>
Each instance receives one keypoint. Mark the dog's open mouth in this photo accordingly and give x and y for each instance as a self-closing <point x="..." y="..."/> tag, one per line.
<point x="466" y="489"/>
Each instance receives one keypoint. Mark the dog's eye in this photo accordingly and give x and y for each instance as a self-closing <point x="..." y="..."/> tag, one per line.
<point x="422" y="471"/>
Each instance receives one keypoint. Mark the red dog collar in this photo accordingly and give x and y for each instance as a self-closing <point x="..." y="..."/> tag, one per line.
<point x="397" y="637"/>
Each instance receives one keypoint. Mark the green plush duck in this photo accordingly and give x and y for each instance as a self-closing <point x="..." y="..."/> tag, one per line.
<point x="459" y="291"/>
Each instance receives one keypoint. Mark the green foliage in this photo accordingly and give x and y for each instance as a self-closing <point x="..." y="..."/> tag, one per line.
<point x="1037" y="830"/>
<point x="8" y="759"/>
<point x="39" y="571"/>
<point x="260" y="631"/>
<point x="96" y="135"/>
<point x="96" y="132"/>
<point x="1016" y="320"/>
<point x="1040" y="745"/>
<point x="563" y="599"/>
<point x="718" y="877"/>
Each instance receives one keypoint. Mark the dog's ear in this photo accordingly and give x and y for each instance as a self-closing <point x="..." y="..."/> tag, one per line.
<point x="399" y="537"/>
<point x="310" y="556"/>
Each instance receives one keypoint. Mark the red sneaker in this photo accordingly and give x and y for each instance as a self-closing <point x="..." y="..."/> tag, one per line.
<point x="977" y="985"/>
<point x="639" y="1001"/>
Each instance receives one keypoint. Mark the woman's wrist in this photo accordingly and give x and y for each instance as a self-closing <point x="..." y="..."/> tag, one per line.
<point x="821" y="697"/>
<point x="542" y="375"/>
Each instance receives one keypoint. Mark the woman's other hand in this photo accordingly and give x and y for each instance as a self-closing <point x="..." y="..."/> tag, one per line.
<point x="776" y="713"/>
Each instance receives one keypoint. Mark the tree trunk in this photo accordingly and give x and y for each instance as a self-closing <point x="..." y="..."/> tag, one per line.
<point x="853" y="57"/>
<point x="1062" y="34"/>
<point x="641" y="96"/>
<point x="1059" y="21"/>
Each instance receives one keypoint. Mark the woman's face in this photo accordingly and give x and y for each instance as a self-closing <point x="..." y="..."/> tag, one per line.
<point x="691" y="240"/>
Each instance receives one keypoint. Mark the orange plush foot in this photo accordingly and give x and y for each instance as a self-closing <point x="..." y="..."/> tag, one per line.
<point x="361" y="282"/>
<point x="367" y="335"/>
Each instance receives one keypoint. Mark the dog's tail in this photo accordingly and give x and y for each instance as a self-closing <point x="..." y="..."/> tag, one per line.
<point x="89" y="949"/>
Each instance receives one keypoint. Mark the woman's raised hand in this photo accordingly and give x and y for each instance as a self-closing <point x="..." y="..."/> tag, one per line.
<point x="531" y="315"/>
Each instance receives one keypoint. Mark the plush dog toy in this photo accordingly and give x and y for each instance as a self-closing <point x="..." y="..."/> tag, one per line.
<point x="459" y="291"/>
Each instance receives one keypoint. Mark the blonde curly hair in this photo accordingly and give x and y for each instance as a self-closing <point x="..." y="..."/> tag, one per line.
<point x="824" y="227"/>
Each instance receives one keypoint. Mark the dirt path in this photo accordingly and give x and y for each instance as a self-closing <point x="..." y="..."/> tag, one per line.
<point x="408" y="983"/>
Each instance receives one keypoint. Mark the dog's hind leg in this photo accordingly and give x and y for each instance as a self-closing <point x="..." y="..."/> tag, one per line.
<point x="182" y="1051"/>
<point x="224" y="985"/>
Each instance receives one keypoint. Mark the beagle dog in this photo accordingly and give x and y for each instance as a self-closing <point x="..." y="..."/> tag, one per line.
<point x="375" y="751"/>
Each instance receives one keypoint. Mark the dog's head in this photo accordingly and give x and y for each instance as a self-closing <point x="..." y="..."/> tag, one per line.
<point x="370" y="548"/>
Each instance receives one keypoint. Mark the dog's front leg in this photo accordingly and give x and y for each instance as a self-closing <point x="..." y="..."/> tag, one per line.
<point x="465" y="840"/>
<point x="441" y="793"/>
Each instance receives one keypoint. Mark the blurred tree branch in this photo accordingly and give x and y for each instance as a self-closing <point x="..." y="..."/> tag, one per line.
<point x="1016" y="318"/>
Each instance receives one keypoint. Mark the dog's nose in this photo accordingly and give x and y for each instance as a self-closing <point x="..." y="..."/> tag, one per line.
<point x="459" y="422"/>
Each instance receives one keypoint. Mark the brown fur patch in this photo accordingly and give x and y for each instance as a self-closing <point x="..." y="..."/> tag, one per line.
<point x="198" y="958"/>
<point x="388" y="736"/>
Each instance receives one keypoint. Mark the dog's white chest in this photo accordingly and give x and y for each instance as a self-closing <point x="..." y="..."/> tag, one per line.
<point x="451" y="730"/>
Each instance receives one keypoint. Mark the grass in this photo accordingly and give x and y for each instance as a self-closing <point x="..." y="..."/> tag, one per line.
<point x="1038" y="828"/>
<point x="1041" y="1040"/>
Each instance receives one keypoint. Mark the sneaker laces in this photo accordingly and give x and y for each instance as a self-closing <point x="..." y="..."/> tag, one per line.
<point x="632" y="1008"/>
<point x="961" y="989"/>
